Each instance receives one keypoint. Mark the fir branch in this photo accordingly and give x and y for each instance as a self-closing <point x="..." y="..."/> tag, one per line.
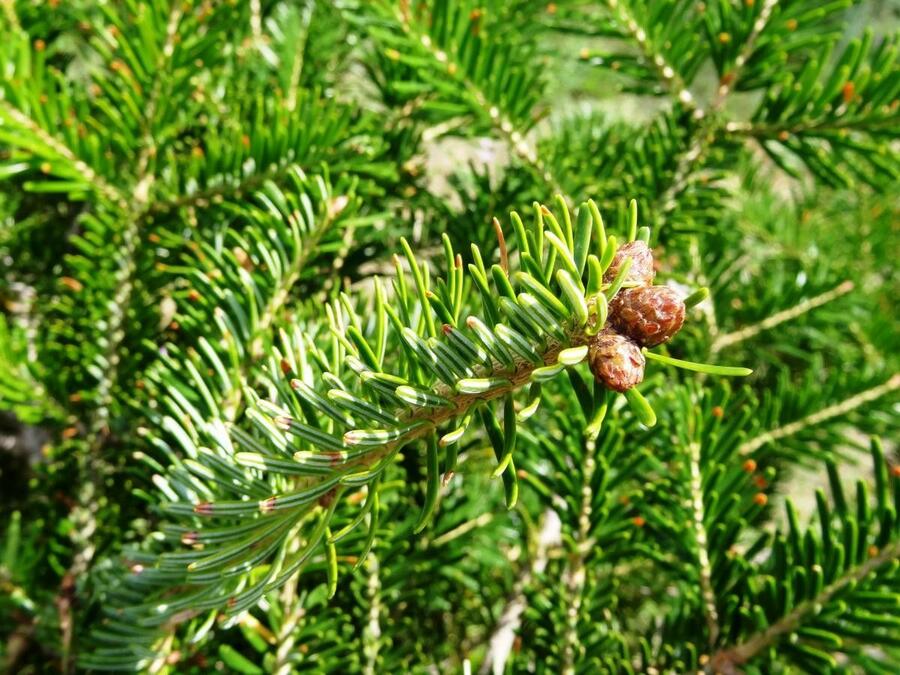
<point x="89" y="498"/>
<point x="723" y="341"/>
<point x="832" y="411"/>
<point x="755" y="43"/>
<point x="244" y="284"/>
<point x="511" y="126"/>
<point x="60" y="150"/>
<point x="667" y="73"/>
<point x="139" y="198"/>
<point x="710" y="611"/>
<point x="322" y="128"/>
<point x="302" y="258"/>
<point x="729" y="659"/>
<point x="784" y="130"/>
<point x="9" y="9"/>
<point x="278" y="300"/>
<point x="307" y="484"/>
<point x="284" y="640"/>
<point x="575" y="572"/>
<point x="503" y="125"/>
<point x="669" y="55"/>
<point x="265" y="430"/>
<point x="729" y="80"/>
<point x="829" y="94"/>
<point x="423" y="422"/>
<point x="220" y="193"/>
<point x="371" y="637"/>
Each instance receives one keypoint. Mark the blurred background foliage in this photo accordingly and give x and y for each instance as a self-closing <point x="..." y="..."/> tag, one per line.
<point x="144" y="145"/>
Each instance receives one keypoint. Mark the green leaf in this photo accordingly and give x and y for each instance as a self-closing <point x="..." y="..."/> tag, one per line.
<point x="433" y="483"/>
<point x="237" y="661"/>
<point x="707" y="368"/>
<point x="641" y="407"/>
<point x="574" y="295"/>
<point x="481" y="385"/>
<point x="509" y="436"/>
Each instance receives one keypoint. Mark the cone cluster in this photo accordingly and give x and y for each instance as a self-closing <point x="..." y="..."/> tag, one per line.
<point x="641" y="315"/>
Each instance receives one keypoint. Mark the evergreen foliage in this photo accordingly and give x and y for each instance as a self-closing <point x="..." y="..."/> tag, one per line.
<point x="308" y="399"/>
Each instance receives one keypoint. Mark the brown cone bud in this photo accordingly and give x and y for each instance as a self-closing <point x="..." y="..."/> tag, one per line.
<point x="649" y="315"/>
<point x="641" y="271"/>
<point x="616" y="361"/>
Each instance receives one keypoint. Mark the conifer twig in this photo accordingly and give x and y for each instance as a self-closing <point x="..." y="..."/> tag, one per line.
<point x="372" y="629"/>
<point x="799" y="309"/>
<point x="673" y="81"/>
<point x="760" y="130"/>
<point x="218" y="193"/>
<point x="276" y="302"/>
<point x="88" y="498"/>
<point x="575" y="575"/>
<point x="515" y="138"/>
<point x="727" y="660"/>
<point x="139" y="198"/>
<point x="705" y="132"/>
<point x="299" y="52"/>
<point x="823" y="415"/>
<point x="727" y="84"/>
<point x="710" y="611"/>
<point x="294" y="612"/>
<point x="463" y="528"/>
<point x="423" y="421"/>
<point x="91" y="177"/>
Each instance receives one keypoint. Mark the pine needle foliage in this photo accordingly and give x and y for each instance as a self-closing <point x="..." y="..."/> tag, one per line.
<point x="302" y="335"/>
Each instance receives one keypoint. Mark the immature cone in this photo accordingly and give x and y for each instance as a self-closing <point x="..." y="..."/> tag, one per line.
<point x="641" y="271"/>
<point x="648" y="315"/>
<point x="616" y="361"/>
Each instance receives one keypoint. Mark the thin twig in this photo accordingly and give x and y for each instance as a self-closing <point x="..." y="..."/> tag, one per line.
<point x="294" y="611"/>
<point x="823" y="415"/>
<point x="299" y="50"/>
<point x="785" y="315"/>
<point x="219" y="193"/>
<point x="729" y="80"/>
<point x="372" y="630"/>
<point x="710" y="611"/>
<point x="463" y="528"/>
<point x="727" y="660"/>
<point x="707" y="129"/>
<point x="673" y="81"/>
<point x="91" y="177"/>
<point x="140" y="197"/>
<point x="757" y="130"/>
<point x="575" y="575"/>
<point x="515" y="138"/>
<point x="308" y="248"/>
<point x="91" y="463"/>
<point x="337" y="264"/>
<point x="423" y="421"/>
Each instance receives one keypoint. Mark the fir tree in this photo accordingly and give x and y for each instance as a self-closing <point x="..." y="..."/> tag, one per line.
<point x="315" y="402"/>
